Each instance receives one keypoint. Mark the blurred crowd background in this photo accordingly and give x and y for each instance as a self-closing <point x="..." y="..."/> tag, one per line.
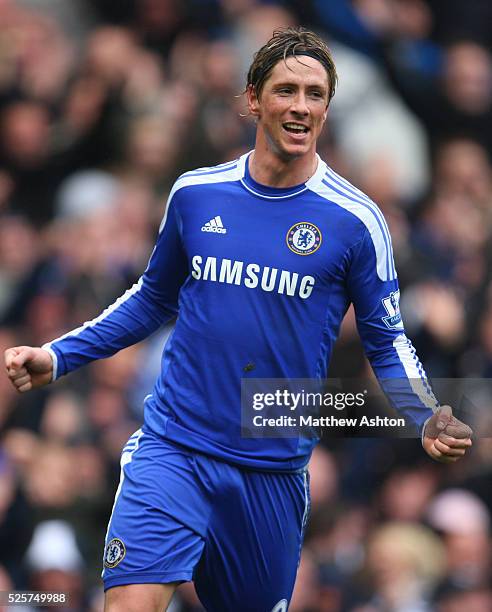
<point x="102" y="105"/>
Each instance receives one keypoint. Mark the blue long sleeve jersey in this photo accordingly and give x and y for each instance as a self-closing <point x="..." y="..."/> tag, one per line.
<point x="255" y="275"/>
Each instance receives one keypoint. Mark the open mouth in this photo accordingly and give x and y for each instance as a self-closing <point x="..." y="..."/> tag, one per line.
<point x="295" y="128"/>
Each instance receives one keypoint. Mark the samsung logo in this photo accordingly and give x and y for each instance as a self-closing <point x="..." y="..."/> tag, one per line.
<point x="251" y="275"/>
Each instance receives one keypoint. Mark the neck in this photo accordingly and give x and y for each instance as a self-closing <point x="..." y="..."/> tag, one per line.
<point x="268" y="168"/>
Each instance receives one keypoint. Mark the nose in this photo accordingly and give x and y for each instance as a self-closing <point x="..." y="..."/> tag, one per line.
<point x="299" y="105"/>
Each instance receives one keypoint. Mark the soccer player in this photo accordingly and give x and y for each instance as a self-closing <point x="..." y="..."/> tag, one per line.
<point x="259" y="259"/>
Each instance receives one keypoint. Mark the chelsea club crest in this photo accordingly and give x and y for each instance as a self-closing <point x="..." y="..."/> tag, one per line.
<point x="114" y="553"/>
<point x="303" y="238"/>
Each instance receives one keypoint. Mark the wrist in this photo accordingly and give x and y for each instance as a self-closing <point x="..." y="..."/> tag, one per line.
<point x="54" y="361"/>
<point x="423" y="430"/>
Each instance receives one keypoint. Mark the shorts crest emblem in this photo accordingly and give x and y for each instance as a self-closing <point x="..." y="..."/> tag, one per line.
<point x="303" y="238"/>
<point x="114" y="553"/>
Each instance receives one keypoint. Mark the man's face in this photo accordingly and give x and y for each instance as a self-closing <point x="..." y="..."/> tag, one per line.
<point x="292" y="106"/>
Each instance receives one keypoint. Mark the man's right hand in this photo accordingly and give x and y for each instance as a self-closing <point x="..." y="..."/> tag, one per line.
<point x="28" y="367"/>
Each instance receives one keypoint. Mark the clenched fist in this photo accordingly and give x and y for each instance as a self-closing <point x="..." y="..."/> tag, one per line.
<point x="446" y="438"/>
<point x="28" y="367"/>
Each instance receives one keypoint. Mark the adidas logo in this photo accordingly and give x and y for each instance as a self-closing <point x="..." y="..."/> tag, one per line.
<point x="215" y="225"/>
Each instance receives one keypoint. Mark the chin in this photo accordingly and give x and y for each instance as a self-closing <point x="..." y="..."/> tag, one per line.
<point x="292" y="151"/>
<point x="285" y="149"/>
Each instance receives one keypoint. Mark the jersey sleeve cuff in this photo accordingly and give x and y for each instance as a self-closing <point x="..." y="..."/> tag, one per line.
<point x="54" y="358"/>
<point x="423" y="429"/>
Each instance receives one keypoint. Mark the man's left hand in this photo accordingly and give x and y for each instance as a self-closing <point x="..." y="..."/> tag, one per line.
<point x="446" y="438"/>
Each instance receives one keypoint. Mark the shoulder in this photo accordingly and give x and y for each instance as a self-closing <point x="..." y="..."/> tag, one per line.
<point x="363" y="212"/>
<point x="339" y="191"/>
<point x="210" y="175"/>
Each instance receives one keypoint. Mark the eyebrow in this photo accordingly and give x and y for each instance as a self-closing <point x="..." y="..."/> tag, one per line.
<point x="294" y="84"/>
<point x="322" y="89"/>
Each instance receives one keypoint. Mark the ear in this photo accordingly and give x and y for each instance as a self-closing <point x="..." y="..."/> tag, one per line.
<point x="253" y="101"/>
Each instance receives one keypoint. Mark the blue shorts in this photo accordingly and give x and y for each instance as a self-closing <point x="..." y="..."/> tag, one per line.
<point x="182" y="516"/>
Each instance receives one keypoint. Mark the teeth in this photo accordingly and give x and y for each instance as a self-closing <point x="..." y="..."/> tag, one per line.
<point x="297" y="128"/>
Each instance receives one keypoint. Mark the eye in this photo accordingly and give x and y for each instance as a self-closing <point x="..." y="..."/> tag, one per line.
<point x="317" y="94"/>
<point x="285" y="91"/>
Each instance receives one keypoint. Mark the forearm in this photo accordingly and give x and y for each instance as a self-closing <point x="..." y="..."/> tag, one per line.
<point x="152" y="302"/>
<point x="132" y="318"/>
<point x="404" y="381"/>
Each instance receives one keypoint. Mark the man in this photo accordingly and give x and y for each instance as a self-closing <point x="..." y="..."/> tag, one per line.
<point x="259" y="259"/>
